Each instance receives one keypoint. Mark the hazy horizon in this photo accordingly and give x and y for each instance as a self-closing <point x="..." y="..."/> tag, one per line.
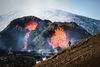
<point x="88" y="8"/>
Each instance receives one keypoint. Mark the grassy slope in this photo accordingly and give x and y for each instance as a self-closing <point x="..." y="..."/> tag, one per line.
<point x="84" y="54"/>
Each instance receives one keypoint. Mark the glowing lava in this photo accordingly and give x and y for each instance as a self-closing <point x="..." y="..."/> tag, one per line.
<point x="59" y="38"/>
<point x="29" y="26"/>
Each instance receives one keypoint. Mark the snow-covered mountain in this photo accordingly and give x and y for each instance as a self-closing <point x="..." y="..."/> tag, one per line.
<point x="91" y="25"/>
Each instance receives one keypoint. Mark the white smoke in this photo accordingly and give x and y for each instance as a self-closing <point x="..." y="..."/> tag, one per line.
<point x="36" y="5"/>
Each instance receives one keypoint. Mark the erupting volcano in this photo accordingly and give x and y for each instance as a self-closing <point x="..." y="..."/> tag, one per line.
<point x="30" y="39"/>
<point x="59" y="38"/>
<point x="31" y="25"/>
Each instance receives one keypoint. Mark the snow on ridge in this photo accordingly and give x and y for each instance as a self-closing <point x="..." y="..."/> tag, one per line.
<point x="91" y="25"/>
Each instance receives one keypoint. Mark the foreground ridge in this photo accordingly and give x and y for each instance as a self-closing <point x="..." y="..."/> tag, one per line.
<point x="84" y="54"/>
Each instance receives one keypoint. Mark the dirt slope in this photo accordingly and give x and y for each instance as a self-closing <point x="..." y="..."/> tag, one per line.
<point x="84" y="54"/>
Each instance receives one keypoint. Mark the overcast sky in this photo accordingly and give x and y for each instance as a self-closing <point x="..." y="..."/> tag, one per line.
<point x="89" y="8"/>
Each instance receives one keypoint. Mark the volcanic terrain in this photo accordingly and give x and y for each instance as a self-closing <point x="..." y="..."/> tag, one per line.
<point x="29" y="40"/>
<point x="84" y="54"/>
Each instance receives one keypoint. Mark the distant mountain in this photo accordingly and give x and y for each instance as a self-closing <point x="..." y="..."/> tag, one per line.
<point x="91" y="25"/>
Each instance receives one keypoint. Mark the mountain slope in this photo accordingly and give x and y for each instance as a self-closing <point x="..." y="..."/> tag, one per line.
<point x="68" y="33"/>
<point x="84" y="54"/>
<point x="20" y="32"/>
<point x="91" y="25"/>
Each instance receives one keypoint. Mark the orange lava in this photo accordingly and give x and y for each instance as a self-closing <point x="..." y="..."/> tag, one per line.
<point x="31" y="25"/>
<point x="59" y="38"/>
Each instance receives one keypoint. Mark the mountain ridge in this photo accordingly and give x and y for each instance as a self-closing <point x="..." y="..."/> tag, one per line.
<point x="91" y="25"/>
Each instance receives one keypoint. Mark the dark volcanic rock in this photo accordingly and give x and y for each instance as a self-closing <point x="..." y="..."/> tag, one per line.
<point x="12" y="40"/>
<point x="72" y="30"/>
<point x="2" y="52"/>
<point x="13" y="35"/>
<point x="20" y="59"/>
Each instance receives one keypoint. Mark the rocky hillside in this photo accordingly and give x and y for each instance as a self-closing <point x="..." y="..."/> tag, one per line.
<point x="84" y="54"/>
<point x="71" y="32"/>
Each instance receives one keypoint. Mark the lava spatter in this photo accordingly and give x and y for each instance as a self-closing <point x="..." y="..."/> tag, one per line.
<point x="31" y="25"/>
<point x="59" y="38"/>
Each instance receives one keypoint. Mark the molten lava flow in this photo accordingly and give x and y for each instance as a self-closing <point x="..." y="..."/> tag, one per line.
<point x="26" y="40"/>
<point x="59" y="38"/>
<point x="30" y="26"/>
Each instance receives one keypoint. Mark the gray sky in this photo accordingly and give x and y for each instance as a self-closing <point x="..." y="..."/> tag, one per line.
<point x="89" y="8"/>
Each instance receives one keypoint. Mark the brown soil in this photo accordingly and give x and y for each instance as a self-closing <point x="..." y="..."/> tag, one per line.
<point x="84" y="54"/>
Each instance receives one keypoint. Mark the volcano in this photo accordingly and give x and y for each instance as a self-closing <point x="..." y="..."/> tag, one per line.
<point x="57" y="37"/>
<point x="20" y="32"/>
<point x="32" y="37"/>
<point x="55" y="15"/>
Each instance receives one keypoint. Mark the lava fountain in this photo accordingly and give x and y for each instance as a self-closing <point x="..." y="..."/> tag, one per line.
<point x="59" y="38"/>
<point x="31" y="25"/>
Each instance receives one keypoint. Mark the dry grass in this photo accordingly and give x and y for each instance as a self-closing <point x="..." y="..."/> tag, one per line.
<point x="84" y="54"/>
